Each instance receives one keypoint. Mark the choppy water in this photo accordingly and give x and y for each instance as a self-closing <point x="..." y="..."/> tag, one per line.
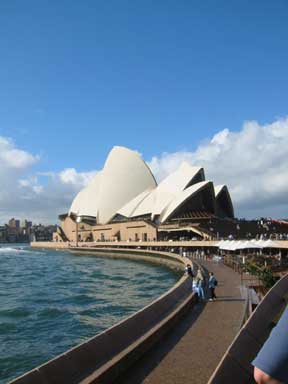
<point x="51" y="301"/>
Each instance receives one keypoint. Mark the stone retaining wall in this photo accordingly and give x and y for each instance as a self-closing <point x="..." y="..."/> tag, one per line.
<point x="49" y="244"/>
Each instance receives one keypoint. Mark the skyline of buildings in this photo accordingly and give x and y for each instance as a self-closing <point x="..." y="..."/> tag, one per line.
<point x="17" y="231"/>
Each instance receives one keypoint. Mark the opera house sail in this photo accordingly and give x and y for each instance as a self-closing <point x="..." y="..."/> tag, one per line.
<point x="125" y="192"/>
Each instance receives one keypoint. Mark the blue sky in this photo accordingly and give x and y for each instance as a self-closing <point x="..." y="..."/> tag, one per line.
<point x="155" y="76"/>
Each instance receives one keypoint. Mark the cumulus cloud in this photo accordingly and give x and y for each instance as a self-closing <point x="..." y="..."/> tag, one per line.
<point x="253" y="164"/>
<point x="38" y="196"/>
<point x="14" y="158"/>
<point x="70" y="176"/>
<point x="53" y="195"/>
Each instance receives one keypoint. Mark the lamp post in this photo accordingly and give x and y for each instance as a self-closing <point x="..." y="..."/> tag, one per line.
<point x="78" y="220"/>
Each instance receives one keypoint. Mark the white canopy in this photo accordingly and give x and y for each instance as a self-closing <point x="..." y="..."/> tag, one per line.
<point x="249" y="244"/>
<point x="267" y="244"/>
<point x="227" y="245"/>
<point x="233" y="245"/>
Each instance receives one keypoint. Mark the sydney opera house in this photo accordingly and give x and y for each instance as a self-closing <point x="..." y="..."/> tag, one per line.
<point x="124" y="202"/>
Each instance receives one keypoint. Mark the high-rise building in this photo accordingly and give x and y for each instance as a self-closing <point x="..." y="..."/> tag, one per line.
<point x="13" y="223"/>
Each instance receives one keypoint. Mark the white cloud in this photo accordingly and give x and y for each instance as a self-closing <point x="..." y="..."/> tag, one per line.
<point x="253" y="163"/>
<point x="37" y="196"/>
<point x="38" y="189"/>
<point x="11" y="157"/>
<point x="44" y="202"/>
<point x="72" y="177"/>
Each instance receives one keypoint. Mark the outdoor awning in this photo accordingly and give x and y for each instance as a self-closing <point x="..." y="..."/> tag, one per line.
<point x="227" y="245"/>
<point x="267" y="243"/>
<point x="249" y="244"/>
<point x="233" y="245"/>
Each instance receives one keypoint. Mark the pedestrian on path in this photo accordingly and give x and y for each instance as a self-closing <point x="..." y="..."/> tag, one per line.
<point x="212" y="285"/>
<point x="200" y="282"/>
<point x="189" y="271"/>
<point x="195" y="286"/>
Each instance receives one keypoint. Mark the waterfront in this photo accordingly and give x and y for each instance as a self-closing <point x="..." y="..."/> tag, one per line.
<point x="52" y="300"/>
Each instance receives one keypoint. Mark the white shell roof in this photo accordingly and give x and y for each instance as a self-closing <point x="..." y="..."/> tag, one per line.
<point x="180" y="179"/>
<point x="223" y="188"/>
<point x="132" y="205"/>
<point x="218" y="189"/>
<point x="124" y="176"/>
<point x="86" y="202"/>
<point x="182" y="197"/>
<point x="169" y="188"/>
<point x="127" y="187"/>
<point x="156" y="201"/>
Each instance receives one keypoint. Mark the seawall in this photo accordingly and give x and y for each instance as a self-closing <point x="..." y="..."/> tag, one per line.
<point x="164" y="258"/>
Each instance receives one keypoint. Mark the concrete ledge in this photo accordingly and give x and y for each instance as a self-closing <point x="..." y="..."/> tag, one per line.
<point x="105" y="356"/>
<point x="49" y="244"/>
<point x="111" y="370"/>
<point x="235" y="365"/>
<point x="173" y="261"/>
<point x="128" y="244"/>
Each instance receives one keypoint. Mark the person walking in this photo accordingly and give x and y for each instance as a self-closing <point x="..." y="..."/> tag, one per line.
<point x="212" y="285"/>
<point x="200" y="282"/>
<point x="189" y="272"/>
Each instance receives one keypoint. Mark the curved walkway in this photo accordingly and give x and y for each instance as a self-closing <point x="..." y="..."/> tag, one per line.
<point x="191" y="352"/>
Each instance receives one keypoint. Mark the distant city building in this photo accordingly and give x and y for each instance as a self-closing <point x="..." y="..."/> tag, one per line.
<point x="43" y="233"/>
<point x="14" y="233"/>
<point x="13" y="223"/>
<point x="3" y="234"/>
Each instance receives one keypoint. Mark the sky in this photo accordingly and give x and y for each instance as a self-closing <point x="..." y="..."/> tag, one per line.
<point x="200" y="81"/>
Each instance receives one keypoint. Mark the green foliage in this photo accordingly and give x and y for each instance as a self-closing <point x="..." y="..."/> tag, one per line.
<point x="267" y="277"/>
<point x="264" y="273"/>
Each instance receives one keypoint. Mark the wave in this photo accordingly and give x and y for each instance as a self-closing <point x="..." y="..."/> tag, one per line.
<point x="18" y="250"/>
<point x="9" y="249"/>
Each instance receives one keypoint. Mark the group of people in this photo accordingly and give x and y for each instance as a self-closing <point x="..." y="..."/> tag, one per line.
<point x="199" y="283"/>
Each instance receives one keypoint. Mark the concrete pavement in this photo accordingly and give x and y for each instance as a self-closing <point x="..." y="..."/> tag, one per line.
<point x="191" y="352"/>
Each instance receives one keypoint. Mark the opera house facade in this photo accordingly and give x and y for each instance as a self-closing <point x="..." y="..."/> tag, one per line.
<point x="123" y="202"/>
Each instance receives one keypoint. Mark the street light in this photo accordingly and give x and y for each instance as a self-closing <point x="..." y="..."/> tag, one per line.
<point x="78" y="220"/>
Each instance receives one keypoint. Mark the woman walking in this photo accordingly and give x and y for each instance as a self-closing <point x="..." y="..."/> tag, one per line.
<point x="212" y="285"/>
<point x="200" y="282"/>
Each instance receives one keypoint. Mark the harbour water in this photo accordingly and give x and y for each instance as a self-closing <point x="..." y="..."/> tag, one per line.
<point x="52" y="300"/>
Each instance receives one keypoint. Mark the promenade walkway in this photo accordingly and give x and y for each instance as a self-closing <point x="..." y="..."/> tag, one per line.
<point x="191" y="352"/>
